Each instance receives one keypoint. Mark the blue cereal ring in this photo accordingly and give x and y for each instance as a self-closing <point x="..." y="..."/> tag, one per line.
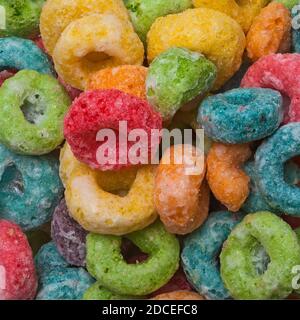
<point x="48" y="258"/>
<point x="256" y="201"/>
<point x="269" y="166"/>
<point x="19" y="54"/>
<point x="296" y="31"/>
<point x="200" y="254"/>
<point x="241" y="115"/>
<point x="57" y="280"/>
<point x="30" y="188"/>
<point x="64" y="284"/>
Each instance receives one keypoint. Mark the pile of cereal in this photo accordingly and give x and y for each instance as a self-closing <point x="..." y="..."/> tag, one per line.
<point x="94" y="204"/>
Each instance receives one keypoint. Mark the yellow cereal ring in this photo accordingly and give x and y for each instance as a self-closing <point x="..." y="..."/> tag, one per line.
<point x="242" y="11"/>
<point x="93" y="43"/>
<point x="110" y="181"/>
<point x="58" y="14"/>
<point x="210" y="32"/>
<point x="92" y="204"/>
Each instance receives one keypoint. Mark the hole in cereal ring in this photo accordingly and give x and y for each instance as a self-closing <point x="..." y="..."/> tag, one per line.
<point x="12" y="180"/>
<point x="32" y="108"/>
<point x="117" y="182"/>
<point x="260" y="258"/>
<point x="131" y="253"/>
<point x="241" y="3"/>
<point x="96" y="56"/>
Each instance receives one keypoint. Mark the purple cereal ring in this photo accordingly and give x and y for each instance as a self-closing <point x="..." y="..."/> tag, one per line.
<point x="68" y="236"/>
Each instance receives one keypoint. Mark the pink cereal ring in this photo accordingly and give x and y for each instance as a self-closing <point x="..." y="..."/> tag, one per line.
<point x="18" y="279"/>
<point x="280" y="72"/>
<point x="100" y="111"/>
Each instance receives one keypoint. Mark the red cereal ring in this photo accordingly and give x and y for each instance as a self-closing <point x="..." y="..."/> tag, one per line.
<point x="18" y="279"/>
<point x="6" y="74"/>
<point x="279" y="72"/>
<point x="104" y="109"/>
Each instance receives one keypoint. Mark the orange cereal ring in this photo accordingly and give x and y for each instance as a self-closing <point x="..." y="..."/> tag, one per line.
<point x="129" y="79"/>
<point x="228" y="182"/>
<point x="58" y="14"/>
<point x="93" y="43"/>
<point x="179" y="295"/>
<point x="181" y="198"/>
<point x="270" y="32"/>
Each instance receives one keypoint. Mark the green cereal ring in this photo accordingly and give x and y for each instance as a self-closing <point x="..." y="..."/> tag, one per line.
<point x="176" y="77"/>
<point x="20" y="17"/>
<point x="98" y="292"/>
<point x="237" y="268"/>
<point x="288" y="3"/>
<point x="32" y="109"/>
<point x="106" y="263"/>
<point x="144" y="12"/>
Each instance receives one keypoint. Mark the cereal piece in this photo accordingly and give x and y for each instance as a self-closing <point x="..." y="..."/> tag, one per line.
<point x="181" y="197"/>
<point x="241" y="115"/>
<point x="176" y="77"/>
<point x="129" y="79"/>
<point x="102" y="109"/>
<point x="99" y="211"/>
<point x="57" y="280"/>
<point x="32" y="109"/>
<point x="58" y="14"/>
<point x="256" y="201"/>
<point x="269" y="164"/>
<point x="68" y="236"/>
<point x="270" y="32"/>
<point x="237" y="269"/>
<point x="48" y="258"/>
<point x="242" y="11"/>
<point x="277" y="71"/>
<point x="20" y="17"/>
<point x="106" y="264"/>
<point x="32" y="57"/>
<point x="227" y="181"/>
<point x="6" y="74"/>
<point x="178" y="282"/>
<point x="295" y="29"/>
<point x="179" y="295"/>
<point x="143" y="13"/>
<point x="98" y="292"/>
<point x="201" y="253"/>
<point x="108" y="42"/>
<point x="111" y="181"/>
<point x="288" y="3"/>
<point x="17" y="273"/>
<point x="30" y="188"/>
<point x="111" y="213"/>
<point x="210" y="32"/>
<point x="64" y="284"/>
